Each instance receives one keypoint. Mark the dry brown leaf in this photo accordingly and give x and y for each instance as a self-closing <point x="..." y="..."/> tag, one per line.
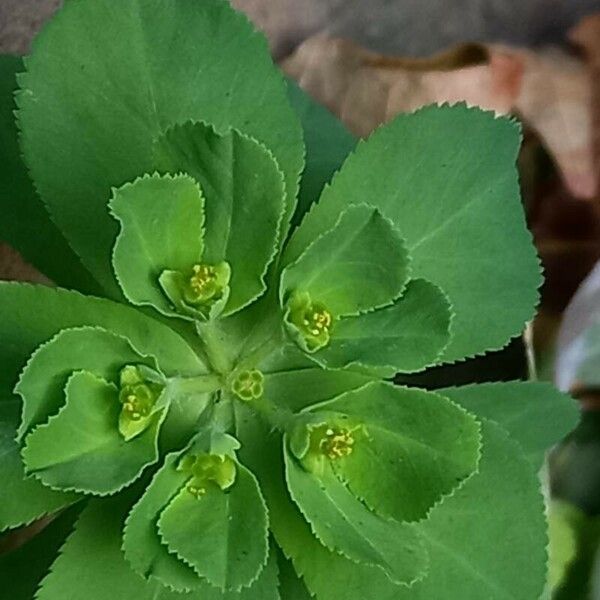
<point x="550" y="90"/>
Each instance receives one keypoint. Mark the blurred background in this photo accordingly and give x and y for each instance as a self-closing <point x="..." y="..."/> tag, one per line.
<point x="537" y="60"/>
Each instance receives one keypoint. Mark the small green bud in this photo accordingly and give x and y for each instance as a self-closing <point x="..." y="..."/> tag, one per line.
<point x="206" y="470"/>
<point x="248" y="385"/>
<point x="205" y="284"/>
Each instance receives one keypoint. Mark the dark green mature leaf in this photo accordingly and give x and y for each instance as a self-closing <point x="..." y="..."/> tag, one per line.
<point x="359" y="265"/>
<point x="446" y="177"/>
<point x="411" y="447"/>
<point x="48" y="310"/>
<point x="22" y="569"/>
<point x="22" y="499"/>
<point x="232" y="549"/>
<point x="162" y="226"/>
<point x="346" y="526"/>
<point x="43" y="380"/>
<point x="535" y="414"/>
<point x="24" y="216"/>
<point x="489" y="539"/>
<point x="95" y="98"/>
<point x="81" y="448"/>
<point x="291" y="587"/>
<point x="327" y="142"/>
<point x="407" y="336"/>
<point x="245" y="200"/>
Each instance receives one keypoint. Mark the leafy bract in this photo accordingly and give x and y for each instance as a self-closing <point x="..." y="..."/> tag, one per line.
<point x="162" y="221"/>
<point x="24" y="216"/>
<point x="90" y="349"/>
<point x="222" y="534"/>
<point x="407" y="336"/>
<point x="534" y="413"/>
<point x="410" y="447"/>
<point x="206" y="67"/>
<point x="22" y="499"/>
<point x="345" y="525"/>
<point x="142" y="546"/>
<point x="446" y="177"/>
<point x="359" y="265"/>
<point x="46" y="311"/>
<point x="245" y="200"/>
<point x="81" y="448"/>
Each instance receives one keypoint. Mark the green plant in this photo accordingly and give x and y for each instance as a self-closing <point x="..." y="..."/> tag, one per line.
<point x="221" y="422"/>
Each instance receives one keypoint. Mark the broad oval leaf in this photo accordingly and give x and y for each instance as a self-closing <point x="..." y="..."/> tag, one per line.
<point x="446" y="177"/>
<point x="222" y="534"/>
<point x="359" y="265"/>
<point x="162" y="221"/>
<point x="345" y="525"/>
<point x="81" y="449"/>
<point x="94" y="111"/>
<point x="411" y="447"/>
<point x="43" y="380"/>
<point x="406" y="337"/>
<point x="244" y="200"/>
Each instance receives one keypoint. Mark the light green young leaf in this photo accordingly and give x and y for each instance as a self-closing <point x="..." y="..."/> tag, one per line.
<point x="446" y="177"/>
<point x="405" y="337"/>
<point x="244" y="200"/>
<point x="206" y="69"/>
<point x="22" y="569"/>
<point x="22" y="499"/>
<point x="346" y="526"/>
<point x="411" y="447"/>
<point x="43" y="380"/>
<point x="81" y="448"/>
<point x="24" y="216"/>
<point x="535" y="414"/>
<point x="261" y="449"/>
<point x="327" y="142"/>
<point x="162" y="220"/>
<point x="48" y="310"/>
<point x="359" y="265"/>
<point x="223" y="534"/>
<point x="141" y="543"/>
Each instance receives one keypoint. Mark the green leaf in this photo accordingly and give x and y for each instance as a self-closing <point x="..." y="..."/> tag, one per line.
<point x="299" y="388"/>
<point x="81" y="448"/>
<point x="91" y="565"/>
<point x="563" y="519"/>
<point x="141" y="542"/>
<point x="357" y="266"/>
<point x="446" y="177"/>
<point x="261" y="450"/>
<point x="232" y="549"/>
<point x="245" y="200"/>
<point x="327" y="142"/>
<point x="47" y="310"/>
<point x="23" y="213"/>
<point x="405" y="337"/>
<point x="489" y="539"/>
<point x="94" y="99"/>
<point x="535" y="414"/>
<point x="345" y="525"/>
<point x="411" y="447"/>
<point x="44" y="378"/>
<point x="22" y="499"/>
<point x="162" y="220"/>
<point x="23" y="568"/>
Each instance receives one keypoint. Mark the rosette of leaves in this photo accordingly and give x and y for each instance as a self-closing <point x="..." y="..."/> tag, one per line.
<point x="215" y="402"/>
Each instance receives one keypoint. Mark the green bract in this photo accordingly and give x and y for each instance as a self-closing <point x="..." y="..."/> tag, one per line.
<point x="223" y="422"/>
